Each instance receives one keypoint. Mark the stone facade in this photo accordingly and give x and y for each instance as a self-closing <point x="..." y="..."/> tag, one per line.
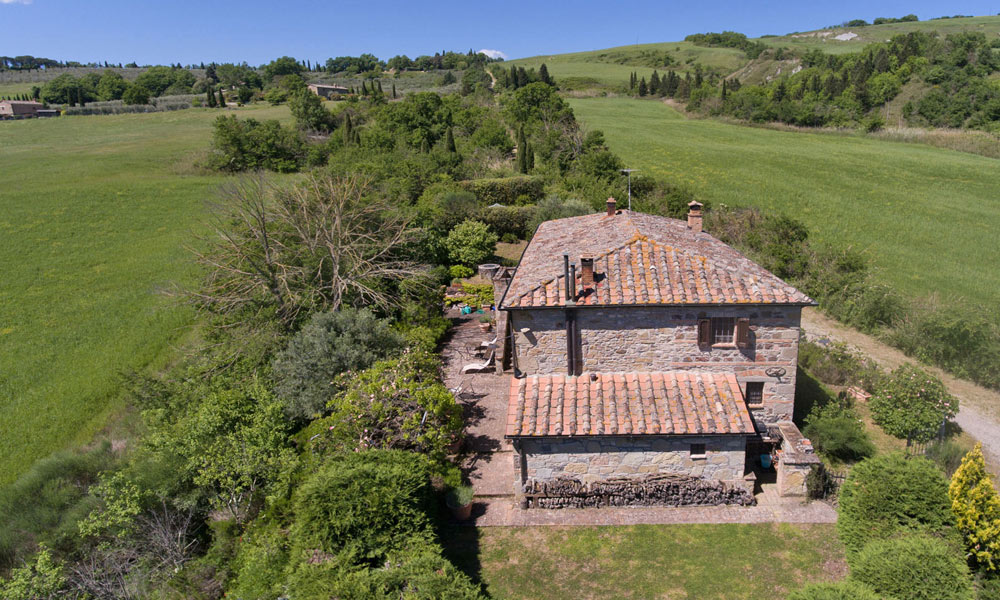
<point x="635" y="338"/>
<point x="598" y="458"/>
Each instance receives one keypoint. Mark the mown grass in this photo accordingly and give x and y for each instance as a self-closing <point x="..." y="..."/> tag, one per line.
<point x="927" y="216"/>
<point x="95" y="213"/>
<point x="647" y="561"/>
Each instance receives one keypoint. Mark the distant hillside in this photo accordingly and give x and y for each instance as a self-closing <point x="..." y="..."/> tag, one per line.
<point x="612" y="67"/>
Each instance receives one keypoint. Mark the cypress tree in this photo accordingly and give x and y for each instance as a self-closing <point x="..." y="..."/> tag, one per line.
<point x="210" y="97"/>
<point x="723" y="90"/>
<point x="529" y="157"/>
<point x="222" y="100"/>
<point x="654" y="82"/>
<point x="380" y="87"/>
<point x="424" y="146"/>
<point x="449" y="142"/>
<point x="393" y="90"/>
<point x="348" y="134"/>
<point x="513" y="77"/>
<point x="543" y="74"/>
<point x="642" y="87"/>
<point x="357" y="137"/>
<point x="364" y="89"/>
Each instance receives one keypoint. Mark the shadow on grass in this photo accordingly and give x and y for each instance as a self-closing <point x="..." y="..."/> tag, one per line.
<point x="462" y="548"/>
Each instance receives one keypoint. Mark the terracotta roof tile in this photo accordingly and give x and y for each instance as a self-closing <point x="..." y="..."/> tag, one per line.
<point x="640" y="259"/>
<point x="662" y="403"/>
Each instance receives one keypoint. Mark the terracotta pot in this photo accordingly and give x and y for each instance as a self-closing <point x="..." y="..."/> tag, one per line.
<point x="455" y="446"/>
<point x="485" y="326"/>
<point x="461" y="513"/>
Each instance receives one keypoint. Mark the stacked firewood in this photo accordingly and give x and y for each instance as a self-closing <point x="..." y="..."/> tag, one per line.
<point x="666" y="489"/>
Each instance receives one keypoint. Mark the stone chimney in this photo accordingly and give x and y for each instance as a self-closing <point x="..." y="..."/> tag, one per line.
<point x="586" y="272"/>
<point x="611" y="207"/>
<point x="694" y="216"/>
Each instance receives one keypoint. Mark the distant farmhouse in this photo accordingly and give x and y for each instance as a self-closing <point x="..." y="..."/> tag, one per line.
<point x="649" y="358"/>
<point x="19" y="109"/>
<point x="327" y="91"/>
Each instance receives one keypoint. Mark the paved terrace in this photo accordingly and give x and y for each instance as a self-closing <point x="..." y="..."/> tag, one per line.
<point x="488" y="461"/>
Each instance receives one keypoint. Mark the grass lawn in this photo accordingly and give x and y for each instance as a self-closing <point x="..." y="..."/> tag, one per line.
<point x="647" y="561"/>
<point x="926" y="215"/>
<point x="95" y="213"/>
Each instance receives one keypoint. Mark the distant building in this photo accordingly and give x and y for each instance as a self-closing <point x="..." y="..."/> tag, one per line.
<point x="327" y="91"/>
<point x="12" y="109"/>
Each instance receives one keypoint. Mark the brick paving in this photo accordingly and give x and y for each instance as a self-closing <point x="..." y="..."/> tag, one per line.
<point x="487" y="461"/>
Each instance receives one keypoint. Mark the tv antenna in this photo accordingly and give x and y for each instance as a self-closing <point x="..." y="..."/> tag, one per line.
<point x="629" y="173"/>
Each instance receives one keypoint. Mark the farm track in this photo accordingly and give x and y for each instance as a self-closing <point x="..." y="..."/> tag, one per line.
<point x="979" y="408"/>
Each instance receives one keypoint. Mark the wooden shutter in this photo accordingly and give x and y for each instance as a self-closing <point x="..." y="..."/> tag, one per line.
<point x="704" y="332"/>
<point x="743" y="333"/>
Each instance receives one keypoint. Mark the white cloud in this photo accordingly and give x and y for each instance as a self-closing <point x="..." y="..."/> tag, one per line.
<point x="15" y="1"/>
<point x="486" y="51"/>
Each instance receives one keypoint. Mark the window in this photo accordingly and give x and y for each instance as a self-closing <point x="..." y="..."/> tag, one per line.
<point x="722" y="330"/>
<point x="755" y="392"/>
<point x="697" y="450"/>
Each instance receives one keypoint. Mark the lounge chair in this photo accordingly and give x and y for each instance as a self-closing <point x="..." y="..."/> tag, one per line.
<point x="479" y="367"/>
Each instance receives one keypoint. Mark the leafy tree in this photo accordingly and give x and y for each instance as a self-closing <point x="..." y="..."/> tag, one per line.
<point x="470" y="243"/>
<point x="976" y="505"/>
<point x="244" y="94"/>
<point x="42" y="580"/>
<point x="915" y="567"/>
<point x="308" y="111"/>
<point x="554" y="207"/>
<point x="286" y="65"/>
<point x="135" y="94"/>
<point x="395" y="404"/>
<point x="111" y="86"/>
<point x="892" y="494"/>
<point x="248" y="145"/>
<point x="329" y="344"/>
<point x="912" y="404"/>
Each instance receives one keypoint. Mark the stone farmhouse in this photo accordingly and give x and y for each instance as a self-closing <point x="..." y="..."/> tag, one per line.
<point x="327" y="91"/>
<point x="653" y="364"/>
<point x="13" y="109"/>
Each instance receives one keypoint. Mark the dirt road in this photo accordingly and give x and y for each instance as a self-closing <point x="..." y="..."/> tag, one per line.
<point x="979" y="408"/>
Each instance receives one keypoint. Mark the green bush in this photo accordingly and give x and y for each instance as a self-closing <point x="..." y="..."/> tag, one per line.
<point x="47" y="503"/>
<point x="363" y="506"/>
<point x="135" y="94"/>
<point x="329" y="344"/>
<point x="555" y="207"/>
<point x="506" y="190"/>
<point x="836" y="364"/>
<point x="441" y="208"/>
<point x="460" y="271"/>
<point x="260" y="562"/>
<point x="508" y="221"/>
<point x="837" y="432"/>
<point x="892" y="494"/>
<point x="842" y="590"/>
<point x="250" y="145"/>
<point x="911" y="404"/>
<point x="946" y="454"/>
<point x="914" y="567"/>
<point x="470" y="243"/>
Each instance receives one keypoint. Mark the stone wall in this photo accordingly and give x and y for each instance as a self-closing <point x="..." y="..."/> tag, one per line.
<point x="594" y="459"/>
<point x="665" y="339"/>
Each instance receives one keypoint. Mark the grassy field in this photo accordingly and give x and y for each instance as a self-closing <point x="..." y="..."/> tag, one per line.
<point x="94" y="216"/>
<point x="879" y="33"/>
<point x="928" y="216"/>
<point x="612" y="66"/>
<point x="647" y="561"/>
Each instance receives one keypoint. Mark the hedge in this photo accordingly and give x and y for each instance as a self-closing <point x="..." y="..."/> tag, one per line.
<point x="506" y="190"/>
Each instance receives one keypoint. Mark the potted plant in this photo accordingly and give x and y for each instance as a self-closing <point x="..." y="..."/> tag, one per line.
<point x="455" y="445"/>
<point x="459" y="500"/>
<point x="485" y="322"/>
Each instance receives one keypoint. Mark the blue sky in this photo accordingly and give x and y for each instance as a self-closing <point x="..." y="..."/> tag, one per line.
<point x="187" y="31"/>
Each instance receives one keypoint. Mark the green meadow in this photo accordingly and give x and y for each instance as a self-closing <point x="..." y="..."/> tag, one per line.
<point x="927" y="216"/>
<point x="647" y="561"/>
<point x="95" y="216"/>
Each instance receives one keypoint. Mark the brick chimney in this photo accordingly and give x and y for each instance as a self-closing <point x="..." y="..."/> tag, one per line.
<point x="586" y="272"/>
<point x="694" y="216"/>
<point x="611" y="207"/>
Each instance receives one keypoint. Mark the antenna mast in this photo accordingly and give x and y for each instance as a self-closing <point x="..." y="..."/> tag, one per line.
<point x="629" y="173"/>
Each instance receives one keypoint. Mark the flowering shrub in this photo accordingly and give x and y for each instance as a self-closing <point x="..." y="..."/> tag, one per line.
<point x="911" y="404"/>
<point x="396" y="404"/>
<point x="976" y="505"/>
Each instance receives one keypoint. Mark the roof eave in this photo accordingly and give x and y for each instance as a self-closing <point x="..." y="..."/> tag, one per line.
<point x="660" y="305"/>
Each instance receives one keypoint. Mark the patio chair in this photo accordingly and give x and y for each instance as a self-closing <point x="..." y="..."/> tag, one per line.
<point x="480" y="367"/>
<point x="479" y="350"/>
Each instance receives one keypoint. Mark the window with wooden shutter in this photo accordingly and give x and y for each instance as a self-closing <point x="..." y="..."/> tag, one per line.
<point x="743" y="333"/>
<point x="704" y="332"/>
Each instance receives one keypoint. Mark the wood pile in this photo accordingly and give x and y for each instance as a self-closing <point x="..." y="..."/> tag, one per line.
<point x="664" y="489"/>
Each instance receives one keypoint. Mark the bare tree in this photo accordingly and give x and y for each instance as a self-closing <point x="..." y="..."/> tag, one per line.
<point x="313" y="246"/>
